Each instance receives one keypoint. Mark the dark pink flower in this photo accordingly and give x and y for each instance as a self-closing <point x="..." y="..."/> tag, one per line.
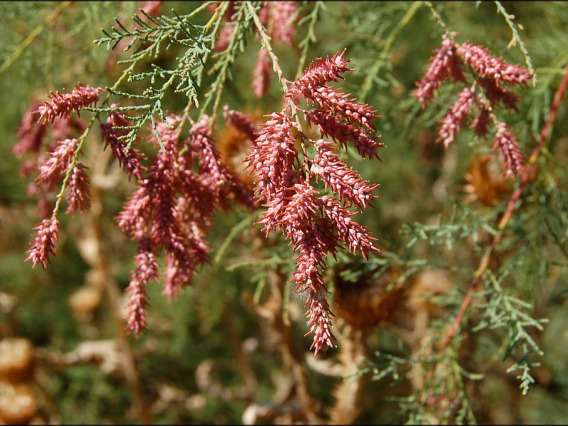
<point x="482" y="121"/>
<point x="30" y="133"/>
<point x="44" y="242"/>
<point x="344" y="181"/>
<point x="242" y="122"/>
<point x="492" y="67"/>
<point x="78" y="191"/>
<point x="58" y="162"/>
<point x="444" y="65"/>
<point x="130" y="160"/>
<point x="330" y="125"/>
<point x="61" y="105"/>
<point x="146" y="269"/>
<point x="494" y="94"/>
<point x="508" y="147"/>
<point x="455" y="117"/>
<point x="320" y="72"/>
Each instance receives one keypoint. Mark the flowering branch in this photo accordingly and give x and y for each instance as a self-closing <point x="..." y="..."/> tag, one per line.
<point x="316" y="224"/>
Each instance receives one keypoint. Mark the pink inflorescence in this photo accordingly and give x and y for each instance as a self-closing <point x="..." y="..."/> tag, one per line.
<point x="172" y="208"/>
<point x="43" y="244"/>
<point x="61" y="105"/>
<point x="490" y="74"/>
<point x="508" y="147"/>
<point x="130" y="160"/>
<point x="316" y="224"/>
<point x="78" y="192"/>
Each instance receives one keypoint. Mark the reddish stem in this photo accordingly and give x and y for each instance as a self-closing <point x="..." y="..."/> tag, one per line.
<point x="526" y="175"/>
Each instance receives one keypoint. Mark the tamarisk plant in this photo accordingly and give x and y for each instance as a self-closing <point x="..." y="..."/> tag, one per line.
<point x="180" y="189"/>
<point x="316" y="224"/>
<point x="490" y="75"/>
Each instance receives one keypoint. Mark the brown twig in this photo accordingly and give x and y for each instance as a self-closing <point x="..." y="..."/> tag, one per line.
<point x="526" y="174"/>
<point x="271" y="311"/>
<point x="100" y="262"/>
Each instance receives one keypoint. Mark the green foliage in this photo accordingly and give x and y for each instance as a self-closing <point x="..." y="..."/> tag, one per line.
<point x="506" y="362"/>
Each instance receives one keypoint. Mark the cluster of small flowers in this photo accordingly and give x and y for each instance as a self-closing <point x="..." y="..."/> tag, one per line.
<point x="56" y="162"/>
<point x="316" y="224"/>
<point x="172" y="207"/>
<point x="279" y="17"/>
<point x="490" y="74"/>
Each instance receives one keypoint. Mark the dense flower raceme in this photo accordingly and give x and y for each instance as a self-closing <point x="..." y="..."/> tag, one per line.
<point x="315" y="223"/>
<point x="491" y="75"/>
<point x="172" y="209"/>
<point x="43" y="245"/>
<point x="61" y="105"/>
<point x="59" y="160"/>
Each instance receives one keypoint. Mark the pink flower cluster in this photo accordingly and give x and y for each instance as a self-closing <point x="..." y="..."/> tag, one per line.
<point x="317" y="224"/>
<point x="490" y="74"/>
<point x="279" y="17"/>
<point x="172" y="207"/>
<point x="58" y="160"/>
<point x="61" y="105"/>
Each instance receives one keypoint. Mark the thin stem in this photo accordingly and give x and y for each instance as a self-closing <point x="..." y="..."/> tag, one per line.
<point x="32" y="36"/>
<point x="526" y="175"/>
<point x="310" y="36"/>
<point x="82" y="140"/>
<point x="216" y="90"/>
<point x="266" y="45"/>
<point x="517" y="38"/>
<point x="440" y="21"/>
<point x="368" y="82"/>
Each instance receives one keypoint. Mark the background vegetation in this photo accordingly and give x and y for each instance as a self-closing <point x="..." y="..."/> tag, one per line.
<point x="231" y="348"/>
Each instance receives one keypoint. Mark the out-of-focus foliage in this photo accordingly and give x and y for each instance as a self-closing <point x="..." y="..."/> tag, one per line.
<point x="225" y="350"/>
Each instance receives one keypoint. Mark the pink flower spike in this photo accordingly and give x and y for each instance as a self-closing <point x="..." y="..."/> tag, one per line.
<point x="444" y="65"/>
<point x="493" y="67"/>
<point x="456" y="116"/>
<point x="242" y="122"/>
<point x="343" y="180"/>
<point x="44" y="242"/>
<point x="508" y="147"/>
<point x="58" y="161"/>
<point x="30" y="134"/>
<point x="283" y="15"/>
<point x="61" y="105"/>
<point x="78" y="195"/>
<point x="319" y="73"/>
